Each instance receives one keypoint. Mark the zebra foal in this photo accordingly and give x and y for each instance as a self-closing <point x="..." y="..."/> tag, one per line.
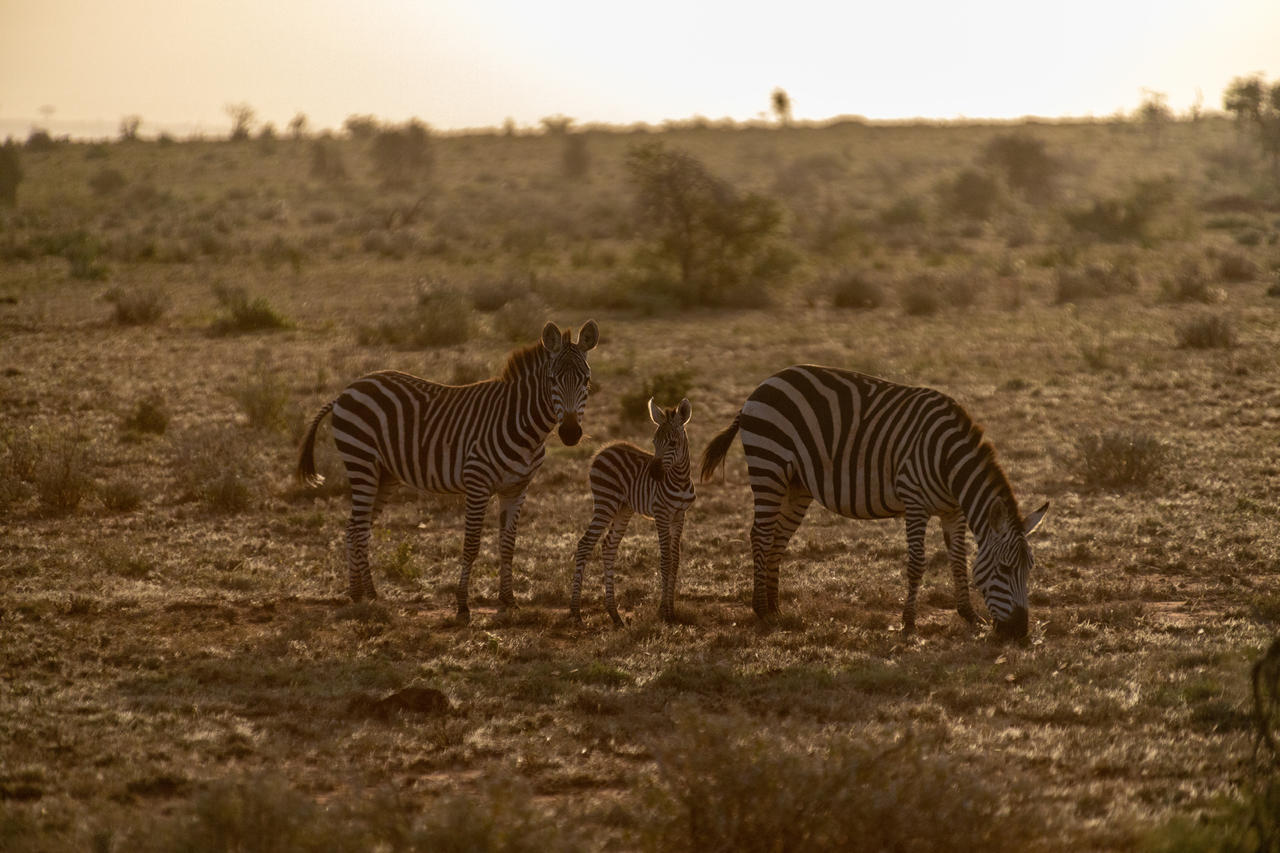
<point x="479" y="440"/>
<point x="626" y="480"/>
<point x="868" y="448"/>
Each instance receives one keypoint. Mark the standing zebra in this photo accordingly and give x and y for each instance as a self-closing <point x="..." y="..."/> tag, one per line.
<point x="868" y="448"/>
<point x="625" y="480"/>
<point x="479" y="440"/>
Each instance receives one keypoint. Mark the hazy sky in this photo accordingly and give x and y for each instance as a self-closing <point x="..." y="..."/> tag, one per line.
<point x="471" y="63"/>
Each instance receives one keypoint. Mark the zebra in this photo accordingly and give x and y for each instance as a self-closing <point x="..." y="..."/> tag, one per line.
<point x="869" y="448"/>
<point x="478" y="440"/>
<point x="626" y="479"/>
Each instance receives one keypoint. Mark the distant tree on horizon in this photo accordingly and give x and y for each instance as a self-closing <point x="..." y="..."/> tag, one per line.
<point x="1256" y="104"/>
<point x="781" y="106"/>
<point x="129" y="128"/>
<point x="298" y="126"/>
<point x="242" y="116"/>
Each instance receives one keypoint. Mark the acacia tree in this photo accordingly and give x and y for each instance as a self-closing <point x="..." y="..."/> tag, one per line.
<point x="242" y="116"/>
<point x="781" y="106"/>
<point x="129" y="128"/>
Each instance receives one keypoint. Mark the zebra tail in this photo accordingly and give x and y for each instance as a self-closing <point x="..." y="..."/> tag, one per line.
<point x="713" y="456"/>
<point x="306" y="455"/>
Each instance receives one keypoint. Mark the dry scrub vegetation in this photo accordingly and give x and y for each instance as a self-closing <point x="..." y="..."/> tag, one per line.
<point x="181" y="672"/>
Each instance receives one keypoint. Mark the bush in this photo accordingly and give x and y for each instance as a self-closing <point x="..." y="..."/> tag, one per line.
<point x="903" y="212"/>
<point x="1072" y="284"/>
<point x="83" y="253"/>
<point x="972" y="194"/>
<point x="709" y="244"/>
<point x="217" y="468"/>
<point x="927" y="292"/>
<point x="520" y="319"/>
<point x="439" y="317"/>
<point x="1190" y="283"/>
<point x="402" y="156"/>
<point x="1207" y="331"/>
<point x="727" y="786"/>
<point x="575" y="160"/>
<point x="10" y="173"/>
<point x="326" y="160"/>
<point x="1129" y="218"/>
<point x="121" y="495"/>
<point x="150" y="415"/>
<point x="491" y="294"/>
<point x="1236" y="266"/>
<point x="856" y="289"/>
<point x="265" y="400"/>
<point x="666" y="389"/>
<point x="107" y="181"/>
<point x="1027" y="167"/>
<point x="137" y="307"/>
<point x="244" y="314"/>
<point x="62" y="475"/>
<point x="920" y="296"/>
<point x="1118" y="459"/>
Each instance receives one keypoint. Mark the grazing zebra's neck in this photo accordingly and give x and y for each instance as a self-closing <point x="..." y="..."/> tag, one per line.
<point x="975" y="477"/>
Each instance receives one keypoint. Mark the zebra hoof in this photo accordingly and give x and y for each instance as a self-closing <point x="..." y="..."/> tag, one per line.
<point x="617" y="620"/>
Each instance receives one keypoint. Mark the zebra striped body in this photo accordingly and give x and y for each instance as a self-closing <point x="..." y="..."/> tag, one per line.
<point x="479" y="440"/>
<point x="868" y="448"/>
<point x="626" y="480"/>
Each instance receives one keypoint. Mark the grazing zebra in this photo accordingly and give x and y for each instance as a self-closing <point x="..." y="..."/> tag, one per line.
<point x="868" y="448"/>
<point x="479" y="440"/>
<point x="625" y="480"/>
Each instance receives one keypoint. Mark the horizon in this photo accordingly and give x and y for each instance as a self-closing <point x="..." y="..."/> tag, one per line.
<point x="82" y="67"/>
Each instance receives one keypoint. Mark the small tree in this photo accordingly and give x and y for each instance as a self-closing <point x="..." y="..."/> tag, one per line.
<point x="242" y="116"/>
<point x="298" y="126"/>
<point x="360" y="126"/>
<point x="10" y="173"/>
<point x="129" y="128"/>
<point x="326" y="159"/>
<point x="402" y="156"/>
<point x="1154" y="114"/>
<point x="781" y="106"/>
<point x="576" y="158"/>
<point x="1257" y="105"/>
<point x="1027" y="167"/>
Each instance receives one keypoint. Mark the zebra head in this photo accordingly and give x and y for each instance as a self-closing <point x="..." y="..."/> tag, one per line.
<point x="569" y="375"/>
<point x="670" y="442"/>
<point x="1004" y="565"/>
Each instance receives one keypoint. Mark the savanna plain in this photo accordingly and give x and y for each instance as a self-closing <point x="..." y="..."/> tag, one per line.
<point x="180" y="667"/>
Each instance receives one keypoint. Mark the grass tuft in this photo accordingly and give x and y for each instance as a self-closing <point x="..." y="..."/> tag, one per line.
<point x="1118" y="459"/>
<point x="1208" y="331"/>
<point x="242" y="314"/>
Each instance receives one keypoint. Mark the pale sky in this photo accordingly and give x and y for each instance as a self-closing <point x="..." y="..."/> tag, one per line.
<point x="474" y="63"/>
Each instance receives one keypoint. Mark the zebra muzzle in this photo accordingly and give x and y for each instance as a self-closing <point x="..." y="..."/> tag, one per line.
<point x="570" y="431"/>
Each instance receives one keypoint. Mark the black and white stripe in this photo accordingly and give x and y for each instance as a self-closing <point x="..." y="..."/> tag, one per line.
<point x="479" y="440"/>
<point x="626" y="480"/>
<point x="868" y="448"/>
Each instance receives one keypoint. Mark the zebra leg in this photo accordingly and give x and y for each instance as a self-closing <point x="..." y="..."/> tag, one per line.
<point x="477" y="503"/>
<point x="790" y="514"/>
<point x="953" y="536"/>
<point x="917" y="522"/>
<point x="509" y="505"/>
<point x="608" y="554"/>
<point x="674" y="530"/>
<point x="601" y="517"/>
<point x="365" y="486"/>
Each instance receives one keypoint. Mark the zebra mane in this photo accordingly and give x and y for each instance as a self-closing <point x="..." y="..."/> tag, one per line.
<point x="986" y="457"/>
<point x="521" y="361"/>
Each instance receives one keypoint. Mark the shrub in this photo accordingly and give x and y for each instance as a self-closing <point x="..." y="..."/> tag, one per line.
<point x="575" y="158"/>
<point x="727" y="786"/>
<point x="1190" y="283"/>
<point x="1129" y="218"/>
<point x="83" y="253"/>
<point x="927" y="292"/>
<point x="121" y="494"/>
<point x="1027" y="167"/>
<point x="709" y="244"/>
<point x="920" y="296"/>
<point x="39" y="140"/>
<point x="520" y="319"/>
<point x="265" y="400"/>
<point x="903" y="212"/>
<point x="402" y="156"/>
<point x="856" y="289"/>
<point x="107" y="181"/>
<point x="150" y="415"/>
<point x="139" y="307"/>
<point x="1208" y="331"/>
<point x="1236" y="266"/>
<point x="326" y="160"/>
<point x="666" y="389"/>
<point x="10" y="173"/>
<point x="491" y="294"/>
<point x="62" y="475"/>
<point x="972" y="194"/>
<point x="439" y="317"/>
<point x="1072" y="284"/>
<point x="243" y="314"/>
<point x="1118" y="459"/>
<point x="217" y="468"/>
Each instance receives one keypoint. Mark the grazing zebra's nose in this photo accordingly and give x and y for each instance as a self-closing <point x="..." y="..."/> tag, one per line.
<point x="570" y="431"/>
<point x="1015" y="627"/>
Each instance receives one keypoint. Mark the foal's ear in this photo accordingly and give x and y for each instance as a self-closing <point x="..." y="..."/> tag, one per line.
<point x="589" y="335"/>
<point x="655" y="413"/>
<point x="1032" y="521"/>
<point x="684" y="410"/>
<point x="552" y="340"/>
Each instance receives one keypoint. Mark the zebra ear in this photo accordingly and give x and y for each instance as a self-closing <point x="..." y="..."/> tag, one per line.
<point x="552" y="340"/>
<point x="685" y="410"/>
<point x="589" y="336"/>
<point x="1032" y="521"/>
<point x="655" y="413"/>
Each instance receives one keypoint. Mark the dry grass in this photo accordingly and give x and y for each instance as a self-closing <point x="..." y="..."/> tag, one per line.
<point x="185" y="673"/>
